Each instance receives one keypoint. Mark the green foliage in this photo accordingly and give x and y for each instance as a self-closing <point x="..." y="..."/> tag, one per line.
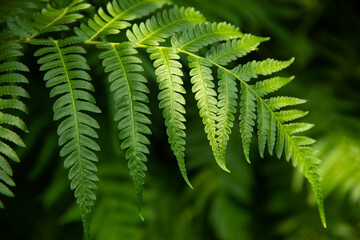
<point x="130" y="97"/>
<point x="204" y="34"/>
<point x="163" y="25"/>
<point x="165" y="35"/>
<point x="203" y="88"/>
<point x="121" y="12"/>
<point x="10" y="104"/>
<point x="70" y="83"/>
<point x="49" y="20"/>
<point x="168" y="71"/>
<point x="231" y="50"/>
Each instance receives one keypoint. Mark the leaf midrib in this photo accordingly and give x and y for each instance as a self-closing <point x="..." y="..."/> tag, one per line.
<point x="73" y="101"/>
<point x="133" y="132"/>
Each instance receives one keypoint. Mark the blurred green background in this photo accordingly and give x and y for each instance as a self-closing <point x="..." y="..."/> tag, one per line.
<point x="266" y="200"/>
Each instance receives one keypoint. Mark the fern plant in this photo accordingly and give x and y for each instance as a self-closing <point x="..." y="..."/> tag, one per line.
<point x="221" y="87"/>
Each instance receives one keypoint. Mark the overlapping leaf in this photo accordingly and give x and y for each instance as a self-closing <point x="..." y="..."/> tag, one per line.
<point x="204" y="34"/>
<point x="164" y="24"/>
<point x="120" y="12"/>
<point x="49" y="20"/>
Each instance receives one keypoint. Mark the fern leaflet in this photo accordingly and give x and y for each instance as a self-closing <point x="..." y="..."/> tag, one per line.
<point x="171" y="100"/>
<point x="121" y="12"/>
<point x="130" y="96"/>
<point x="165" y="24"/>
<point x="204" y="34"/>
<point x="247" y="118"/>
<point x="253" y="69"/>
<point x="227" y="108"/>
<point x="67" y="77"/>
<point x="49" y="20"/>
<point x="206" y="97"/>
<point x="233" y="49"/>
<point x="10" y="94"/>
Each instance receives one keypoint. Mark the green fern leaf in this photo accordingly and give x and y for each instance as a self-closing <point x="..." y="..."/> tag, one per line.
<point x="65" y="74"/>
<point x="49" y="20"/>
<point x="271" y="134"/>
<point x="233" y="49"/>
<point x="10" y="95"/>
<point x="254" y="68"/>
<point x="206" y="97"/>
<point x="271" y="85"/>
<point x="227" y="108"/>
<point x="164" y="24"/>
<point x="120" y="13"/>
<point x="263" y="117"/>
<point x="276" y="103"/>
<point x="70" y="83"/>
<point x="204" y="34"/>
<point x="273" y="121"/>
<point x="130" y="97"/>
<point x="290" y="115"/>
<point x="247" y="118"/>
<point x="171" y="100"/>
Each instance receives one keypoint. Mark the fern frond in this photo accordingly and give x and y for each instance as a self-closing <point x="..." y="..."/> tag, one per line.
<point x="69" y="82"/>
<point x="276" y="103"/>
<point x="130" y="91"/>
<point x="227" y="108"/>
<point x="204" y="34"/>
<point x="10" y="95"/>
<point x="49" y="20"/>
<point x="271" y="85"/>
<point x="253" y="69"/>
<point x="247" y="118"/>
<point x="233" y="49"/>
<point x="168" y="72"/>
<point x="118" y="17"/>
<point x="67" y="77"/>
<point x="275" y="127"/>
<point x="164" y="24"/>
<point x="263" y="123"/>
<point x="206" y="97"/>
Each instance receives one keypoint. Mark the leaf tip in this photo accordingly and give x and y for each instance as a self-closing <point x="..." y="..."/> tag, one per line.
<point x="223" y="166"/>
<point x="324" y="223"/>
<point x="189" y="183"/>
<point x="226" y="170"/>
<point x="291" y="60"/>
<point x="141" y="217"/>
